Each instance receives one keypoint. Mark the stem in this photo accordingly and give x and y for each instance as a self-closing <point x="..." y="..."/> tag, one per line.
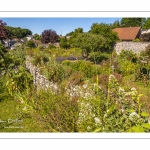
<point x="109" y="72"/>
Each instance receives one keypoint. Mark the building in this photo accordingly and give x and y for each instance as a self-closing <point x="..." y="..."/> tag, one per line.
<point x="29" y="37"/>
<point x="128" y="33"/>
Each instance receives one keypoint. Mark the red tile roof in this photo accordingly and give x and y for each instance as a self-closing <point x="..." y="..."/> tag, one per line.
<point x="127" y="33"/>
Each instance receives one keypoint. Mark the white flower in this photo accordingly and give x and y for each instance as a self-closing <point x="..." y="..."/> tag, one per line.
<point x="133" y="115"/>
<point x="88" y="128"/>
<point x="133" y="89"/>
<point x="85" y="86"/>
<point x="149" y="120"/>
<point x="111" y="77"/>
<point x="97" y="120"/>
<point x="121" y="90"/>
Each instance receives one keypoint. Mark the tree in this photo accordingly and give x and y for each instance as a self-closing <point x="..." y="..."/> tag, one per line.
<point x="89" y="42"/>
<point x="116" y="24"/>
<point x="132" y="22"/>
<point x="74" y="34"/>
<point x="105" y="30"/>
<point x="64" y="43"/>
<point x="17" y="32"/>
<point x="146" y="24"/>
<point x="3" y="30"/>
<point x="37" y="36"/>
<point x="49" y="36"/>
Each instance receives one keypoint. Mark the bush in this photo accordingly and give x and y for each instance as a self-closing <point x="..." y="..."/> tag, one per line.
<point x="128" y="55"/>
<point x="88" y="68"/>
<point x="76" y="78"/>
<point x="66" y="62"/>
<point x="136" y="40"/>
<point x="30" y="44"/>
<point x="146" y="52"/>
<point x="51" y="46"/>
<point x="98" y="57"/>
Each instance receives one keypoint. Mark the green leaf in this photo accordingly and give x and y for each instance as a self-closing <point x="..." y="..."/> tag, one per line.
<point x="137" y="128"/>
<point x="144" y="114"/>
<point x="146" y="125"/>
<point x="98" y="130"/>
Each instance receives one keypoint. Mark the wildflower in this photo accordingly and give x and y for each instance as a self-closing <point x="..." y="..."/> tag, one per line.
<point x="97" y="120"/>
<point x="88" y="128"/>
<point x="85" y="86"/>
<point x="133" y="115"/>
<point x="111" y="77"/>
<point x="121" y="90"/>
<point x="149" y="120"/>
<point x="133" y="89"/>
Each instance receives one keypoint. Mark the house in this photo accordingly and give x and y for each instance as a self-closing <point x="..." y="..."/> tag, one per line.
<point x="128" y="33"/>
<point x="7" y="43"/>
<point x="29" y="37"/>
<point x="145" y="31"/>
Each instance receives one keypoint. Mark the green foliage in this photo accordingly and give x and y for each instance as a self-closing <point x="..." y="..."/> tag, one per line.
<point x="17" y="32"/>
<point x="136" y="40"/>
<point x="98" y="57"/>
<point x="128" y="55"/>
<point x="37" y="37"/>
<point x="30" y="44"/>
<point x="106" y="32"/>
<point x="51" y="46"/>
<point x="55" y="113"/>
<point x="76" y="78"/>
<point x="64" y="43"/>
<point x="116" y="24"/>
<point x="146" y="24"/>
<point x="89" y="42"/>
<point x="88" y="68"/>
<point x="132" y="22"/>
<point x="146" y="52"/>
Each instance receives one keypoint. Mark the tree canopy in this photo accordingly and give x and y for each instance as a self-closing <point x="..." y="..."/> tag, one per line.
<point x="105" y="30"/>
<point x="17" y="32"/>
<point x="3" y="30"/>
<point x="64" y="42"/>
<point x="49" y="36"/>
<point x="133" y="22"/>
<point x="146" y="24"/>
<point x="89" y="42"/>
<point x="37" y="36"/>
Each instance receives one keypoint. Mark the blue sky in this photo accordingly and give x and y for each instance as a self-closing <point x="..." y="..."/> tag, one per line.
<point x="60" y="25"/>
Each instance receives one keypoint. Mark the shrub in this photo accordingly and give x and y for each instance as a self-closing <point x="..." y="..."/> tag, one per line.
<point x="88" y="68"/>
<point x="30" y="44"/>
<point x="51" y="46"/>
<point x="136" y="40"/>
<point x="146" y="52"/>
<point x="98" y="57"/>
<point x="76" y="78"/>
<point x="129" y="55"/>
<point x="56" y="72"/>
<point x="66" y="62"/>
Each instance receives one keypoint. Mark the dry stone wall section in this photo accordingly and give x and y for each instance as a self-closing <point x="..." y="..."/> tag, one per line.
<point x="136" y="47"/>
<point x="40" y="82"/>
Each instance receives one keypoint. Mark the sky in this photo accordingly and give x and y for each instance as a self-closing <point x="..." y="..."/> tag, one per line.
<point x="62" y="26"/>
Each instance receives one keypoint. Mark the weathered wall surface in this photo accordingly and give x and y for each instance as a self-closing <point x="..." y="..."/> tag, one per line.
<point x="40" y="81"/>
<point x="136" y="47"/>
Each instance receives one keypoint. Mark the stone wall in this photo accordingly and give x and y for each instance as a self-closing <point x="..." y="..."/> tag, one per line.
<point x="40" y="82"/>
<point x="136" y="47"/>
